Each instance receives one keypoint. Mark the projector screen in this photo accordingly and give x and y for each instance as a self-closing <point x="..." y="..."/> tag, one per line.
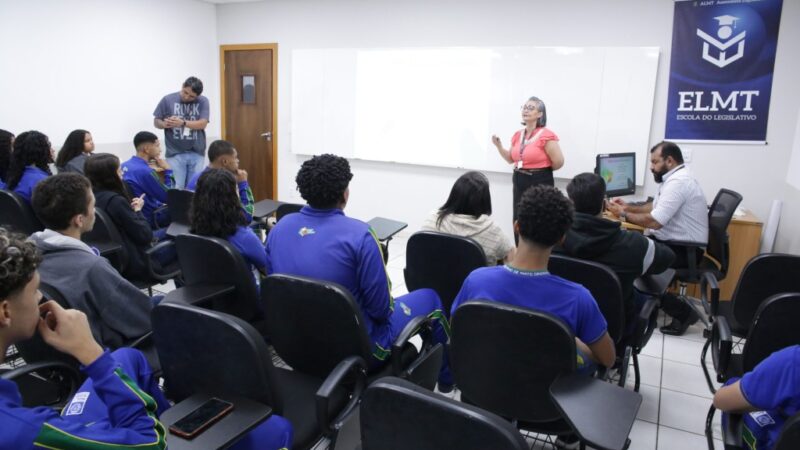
<point x="440" y="106"/>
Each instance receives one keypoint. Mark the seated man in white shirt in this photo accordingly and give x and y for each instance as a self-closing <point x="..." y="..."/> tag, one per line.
<point x="678" y="213"/>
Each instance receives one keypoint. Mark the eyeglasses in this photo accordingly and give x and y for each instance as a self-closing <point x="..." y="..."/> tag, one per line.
<point x="528" y="108"/>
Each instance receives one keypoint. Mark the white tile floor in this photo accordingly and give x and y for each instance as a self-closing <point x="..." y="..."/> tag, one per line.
<point x="675" y="397"/>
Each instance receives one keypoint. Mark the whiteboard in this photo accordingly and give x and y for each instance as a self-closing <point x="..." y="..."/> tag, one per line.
<point x="440" y="106"/>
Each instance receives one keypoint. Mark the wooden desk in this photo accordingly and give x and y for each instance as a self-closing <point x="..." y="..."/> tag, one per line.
<point x="745" y="243"/>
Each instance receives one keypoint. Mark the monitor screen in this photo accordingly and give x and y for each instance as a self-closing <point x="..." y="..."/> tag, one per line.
<point x="619" y="172"/>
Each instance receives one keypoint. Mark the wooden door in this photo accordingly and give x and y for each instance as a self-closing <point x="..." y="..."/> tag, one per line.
<point x="249" y="90"/>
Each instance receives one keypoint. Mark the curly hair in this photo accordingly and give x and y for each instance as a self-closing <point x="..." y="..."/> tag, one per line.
<point x="30" y="148"/>
<point x="73" y="146"/>
<point x="18" y="261"/>
<point x="216" y="209"/>
<point x="544" y="215"/>
<point x="323" y="179"/>
<point x="5" y="152"/>
<point x="101" y="170"/>
<point x="57" y="199"/>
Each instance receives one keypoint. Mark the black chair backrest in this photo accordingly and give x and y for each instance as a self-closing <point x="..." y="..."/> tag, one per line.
<point x="209" y="260"/>
<point x="17" y="215"/>
<point x="774" y="327"/>
<point x="789" y="438"/>
<point x="287" y="208"/>
<point x="35" y="349"/>
<point x="719" y="217"/>
<point x="504" y="358"/>
<point x="105" y="230"/>
<point x="179" y="201"/>
<point x="208" y="351"/>
<point x="313" y="325"/>
<point x="601" y="282"/>
<point x="763" y="276"/>
<point x="398" y="415"/>
<point x="441" y="262"/>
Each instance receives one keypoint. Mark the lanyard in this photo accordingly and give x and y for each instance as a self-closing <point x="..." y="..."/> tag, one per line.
<point x="523" y="142"/>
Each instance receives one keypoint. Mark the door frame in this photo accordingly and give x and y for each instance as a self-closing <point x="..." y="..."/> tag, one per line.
<point x="274" y="47"/>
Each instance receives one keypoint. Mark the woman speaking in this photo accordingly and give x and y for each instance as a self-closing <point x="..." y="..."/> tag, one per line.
<point x="534" y="150"/>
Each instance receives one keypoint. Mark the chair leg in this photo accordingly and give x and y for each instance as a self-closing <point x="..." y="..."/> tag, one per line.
<point x="709" y="425"/>
<point x="636" y="379"/>
<point x="705" y="367"/>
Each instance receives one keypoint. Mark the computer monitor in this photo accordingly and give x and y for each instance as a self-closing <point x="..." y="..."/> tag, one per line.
<point x="619" y="172"/>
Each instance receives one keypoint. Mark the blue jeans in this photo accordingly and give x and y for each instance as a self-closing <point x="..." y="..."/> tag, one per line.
<point x="274" y="433"/>
<point x="184" y="165"/>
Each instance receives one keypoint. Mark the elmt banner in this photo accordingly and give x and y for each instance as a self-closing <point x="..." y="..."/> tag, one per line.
<point x="720" y="79"/>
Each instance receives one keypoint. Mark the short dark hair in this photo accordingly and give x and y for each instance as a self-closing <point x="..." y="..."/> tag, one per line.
<point x="669" y="149"/>
<point x="216" y="209"/>
<point x="5" y="152"/>
<point x="101" y="170"/>
<point x="544" y="215"/>
<point x="73" y="146"/>
<point x="469" y="195"/>
<point x="194" y="84"/>
<point x="218" y="148"/>
<point x="144" y="137"/>
<point x="587" y="192"/>
<point x="18" y="261"/>
<point x="30" y="148"/>
<point x="57" y="199"/>
<point x="323" y="179"/>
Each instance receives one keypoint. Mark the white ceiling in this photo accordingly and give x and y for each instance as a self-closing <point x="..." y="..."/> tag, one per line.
<point x="219" y="2"/>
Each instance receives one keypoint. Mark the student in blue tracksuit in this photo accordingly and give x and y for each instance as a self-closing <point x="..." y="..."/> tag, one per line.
<point x="767" y="397"/>
<point x="222" y="155"/>
<point x="321" y="242"/>
<point x="216" y="211"/>
<point x="117" y="407"/>
<point x="543" y="217"/>
<point x="29" y="163"/>
<point x="142" y="174"/>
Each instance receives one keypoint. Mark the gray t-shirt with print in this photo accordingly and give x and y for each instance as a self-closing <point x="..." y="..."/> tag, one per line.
<point x="175" y="139"/>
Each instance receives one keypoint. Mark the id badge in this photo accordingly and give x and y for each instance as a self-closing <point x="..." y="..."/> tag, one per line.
<point x="187" y="131"/>
<point x="519" y="164"/>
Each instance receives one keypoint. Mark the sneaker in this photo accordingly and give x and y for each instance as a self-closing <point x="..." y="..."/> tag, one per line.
<point x="444" y="388"/>
<point x="568" y="442"/>
<point x="678" y="327"/>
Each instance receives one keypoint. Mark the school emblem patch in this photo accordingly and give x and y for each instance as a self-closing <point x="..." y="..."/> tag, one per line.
<point x="305" y="231"/>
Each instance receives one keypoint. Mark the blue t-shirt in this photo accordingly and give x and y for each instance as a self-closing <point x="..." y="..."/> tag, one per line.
<point x="541" y="291"/>
<point x="774" y="388"/>
<point x="176" y="141"/>
<point x="250" y="246"/>
<point x="30" y="178"/>
<point x="327" y="245"/>
<point x="143" y="179"/>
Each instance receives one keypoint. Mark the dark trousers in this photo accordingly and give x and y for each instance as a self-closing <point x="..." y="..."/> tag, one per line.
<point x="670" y="303"/>
<point x="522" y="181"/>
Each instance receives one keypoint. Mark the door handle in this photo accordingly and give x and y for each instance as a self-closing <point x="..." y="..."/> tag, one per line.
<point x="267" y="136"/>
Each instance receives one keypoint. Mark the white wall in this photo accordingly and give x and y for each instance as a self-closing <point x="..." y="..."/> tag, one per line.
<point x="102" y="65"/>
<point x="407" y="192"/>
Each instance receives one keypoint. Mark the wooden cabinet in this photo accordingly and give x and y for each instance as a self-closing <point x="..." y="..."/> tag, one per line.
<point x="745" y="242"/>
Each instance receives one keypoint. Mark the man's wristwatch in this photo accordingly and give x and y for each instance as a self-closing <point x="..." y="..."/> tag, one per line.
<point x="184" y="123"/>
<point x="623" y="216"/>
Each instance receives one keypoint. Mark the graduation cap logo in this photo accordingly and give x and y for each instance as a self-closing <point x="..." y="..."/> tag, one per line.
<point x="724" y="43"/>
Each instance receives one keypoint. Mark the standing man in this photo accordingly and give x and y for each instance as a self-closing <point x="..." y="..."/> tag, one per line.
<point x="678" y="213"/>
<point x="183" y="116"/>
